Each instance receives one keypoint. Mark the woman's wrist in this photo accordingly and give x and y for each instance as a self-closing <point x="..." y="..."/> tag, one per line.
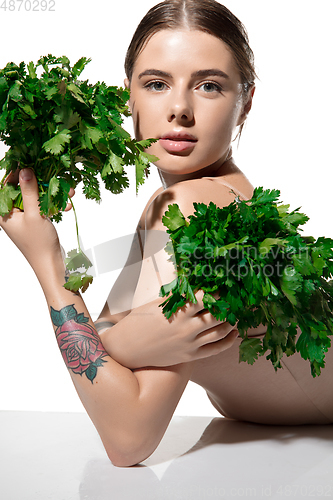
<point x="51" y="274"/>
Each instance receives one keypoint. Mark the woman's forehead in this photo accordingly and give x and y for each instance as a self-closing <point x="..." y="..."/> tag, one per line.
<point x="184" y="48"/>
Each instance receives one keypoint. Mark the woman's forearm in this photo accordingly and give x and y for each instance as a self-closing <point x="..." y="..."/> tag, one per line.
<point x="129" y="409"/>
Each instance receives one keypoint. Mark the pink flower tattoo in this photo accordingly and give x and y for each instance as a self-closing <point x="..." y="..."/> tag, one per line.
<point x="79" y="343"/>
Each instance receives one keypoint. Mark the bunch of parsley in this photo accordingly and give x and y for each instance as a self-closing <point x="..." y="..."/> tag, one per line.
<point x="68" y="131"/>
<point x="255" y="269"/>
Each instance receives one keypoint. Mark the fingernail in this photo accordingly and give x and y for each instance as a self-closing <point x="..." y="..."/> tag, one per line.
<point x="26" y="174"/>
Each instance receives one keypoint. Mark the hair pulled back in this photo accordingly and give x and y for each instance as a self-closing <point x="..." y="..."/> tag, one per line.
<point x="203" y="15"/>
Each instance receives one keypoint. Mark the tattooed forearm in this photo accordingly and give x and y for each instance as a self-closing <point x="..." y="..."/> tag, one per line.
<point x="101" y="325"/>
<point x="79" y="343"/>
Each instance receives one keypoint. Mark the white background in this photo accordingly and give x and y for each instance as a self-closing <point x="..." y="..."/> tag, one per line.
<point x="286" y="145"/>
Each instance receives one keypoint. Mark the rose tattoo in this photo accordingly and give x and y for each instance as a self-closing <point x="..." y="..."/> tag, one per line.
<point x="79" y="343"/>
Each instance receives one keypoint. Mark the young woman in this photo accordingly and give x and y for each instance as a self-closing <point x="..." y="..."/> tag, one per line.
<point x="191" y="74"/>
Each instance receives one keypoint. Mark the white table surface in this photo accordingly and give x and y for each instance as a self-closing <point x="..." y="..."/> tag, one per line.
<point x="59" y="456"/>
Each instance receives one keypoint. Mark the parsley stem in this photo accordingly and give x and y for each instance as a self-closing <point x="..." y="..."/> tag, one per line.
<point x="3" y="180"/>
<point x="264" y="308"/>
<point x="76" y="224"/>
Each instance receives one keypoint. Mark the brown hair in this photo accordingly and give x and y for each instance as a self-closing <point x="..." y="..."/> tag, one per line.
<point x="203" y="15"/>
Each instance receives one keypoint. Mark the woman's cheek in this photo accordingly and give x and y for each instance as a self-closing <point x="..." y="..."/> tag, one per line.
<point x="226" y="124"/>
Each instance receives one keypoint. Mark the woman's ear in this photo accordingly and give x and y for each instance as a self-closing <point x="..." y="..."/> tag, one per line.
<point x="126" y="83"/>
<point x="247" y="105"/>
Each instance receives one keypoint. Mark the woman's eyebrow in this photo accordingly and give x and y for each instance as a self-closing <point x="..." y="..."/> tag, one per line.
<point x="203" y="73"/>
<point x="155" y="72"/>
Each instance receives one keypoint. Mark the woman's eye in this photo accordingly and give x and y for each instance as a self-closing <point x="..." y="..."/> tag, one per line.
<point x="156" y="86"/>
<point x="210" y="87"/>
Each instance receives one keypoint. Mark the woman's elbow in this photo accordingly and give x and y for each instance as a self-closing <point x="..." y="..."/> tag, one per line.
<point x="128" y="452"/>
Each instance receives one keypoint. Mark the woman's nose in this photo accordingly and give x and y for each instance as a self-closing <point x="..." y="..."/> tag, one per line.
<point x="180" y="109"/>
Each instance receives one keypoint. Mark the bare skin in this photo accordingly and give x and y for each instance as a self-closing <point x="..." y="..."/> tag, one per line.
<point x="194" y="91"/>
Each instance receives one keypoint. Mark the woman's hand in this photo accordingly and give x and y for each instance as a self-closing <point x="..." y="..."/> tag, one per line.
<point x="33" y="234"/>
<point x="146" y="338"/>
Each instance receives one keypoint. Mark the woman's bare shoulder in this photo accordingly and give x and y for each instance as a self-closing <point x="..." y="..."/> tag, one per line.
<point x="219" y="190"/>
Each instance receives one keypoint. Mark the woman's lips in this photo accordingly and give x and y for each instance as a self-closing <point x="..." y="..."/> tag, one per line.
<point x="177" y="143"/>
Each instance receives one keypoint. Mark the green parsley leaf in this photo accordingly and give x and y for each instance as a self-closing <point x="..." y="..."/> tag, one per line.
<point x="68" y="131"/>
<point x="249" y="350"/>
<point x="255" y="269"/>
<point x="57" y="143"/>
<point x="78" y="281"/>
<point x="173" y="218"/>
<point x="77" y="259"/>
<point x="7" y="195"/>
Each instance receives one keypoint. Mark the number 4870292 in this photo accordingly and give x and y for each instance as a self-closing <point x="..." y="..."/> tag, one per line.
<point x="27" y="5"/>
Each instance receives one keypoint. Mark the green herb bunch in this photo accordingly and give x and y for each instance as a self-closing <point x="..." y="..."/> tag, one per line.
<point x="255" y="269"/>
<point x="68" y="131"/>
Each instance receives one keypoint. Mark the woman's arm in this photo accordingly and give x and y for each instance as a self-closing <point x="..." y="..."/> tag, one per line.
<point x="119" y="301"/>
<point x="131" y="410"/>
<point x="190" y="334"/>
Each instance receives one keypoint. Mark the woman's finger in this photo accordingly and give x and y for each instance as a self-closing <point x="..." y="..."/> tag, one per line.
<point x="215" y="333"/>
<point x="195" y="308"/>
<point x="217" y="347"/>
<point x="29" y="188"/>
<point x="69" y="205"/>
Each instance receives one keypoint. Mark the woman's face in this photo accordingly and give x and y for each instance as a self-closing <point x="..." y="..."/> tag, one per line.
<point x="186" y="92"/>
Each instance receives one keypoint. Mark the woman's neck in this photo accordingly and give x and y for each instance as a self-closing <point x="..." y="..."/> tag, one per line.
<point x="215" y="170"/>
